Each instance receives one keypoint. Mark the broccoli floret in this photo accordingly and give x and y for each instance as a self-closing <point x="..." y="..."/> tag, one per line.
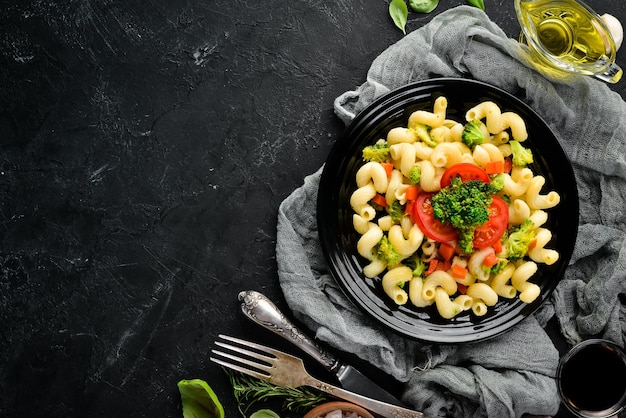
<point x="415" y="175"/>
<point x="423" y="134"/>
<point x="416" y="264"/>
<point x="396" y="211"/>
<point x="497" y="182"/>
<point x="472" y="134"/>
<point x="378" y="152"/>
<point x="519" y="155"/>
<point x="386" y="252"/>
<point x="499" y="266"/>
<point x="464" y="205"/>
<point x="519" y="239"/>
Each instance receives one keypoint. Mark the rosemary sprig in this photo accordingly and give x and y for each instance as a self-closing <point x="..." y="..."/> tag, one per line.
<point x="249" y="390"/>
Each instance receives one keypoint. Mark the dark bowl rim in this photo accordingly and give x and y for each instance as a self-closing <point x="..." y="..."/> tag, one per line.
<point x="331" y="247"/>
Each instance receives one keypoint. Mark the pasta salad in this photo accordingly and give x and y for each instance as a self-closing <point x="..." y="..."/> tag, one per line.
<point x="450" y="213"/>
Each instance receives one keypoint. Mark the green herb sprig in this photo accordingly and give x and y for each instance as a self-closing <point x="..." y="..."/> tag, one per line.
<point x="399" y="11"/>
<point x="249" y="390"/>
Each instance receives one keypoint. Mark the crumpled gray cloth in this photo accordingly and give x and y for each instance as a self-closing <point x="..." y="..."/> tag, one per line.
<point x="511" y="374"/>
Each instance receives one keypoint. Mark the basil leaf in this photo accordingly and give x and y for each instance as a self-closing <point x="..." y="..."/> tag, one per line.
<point x="477" y="3"/>
<point x="399" y="13"/>
<point x="264" y="413"/>
<point x="423" y="6"/>
<point x="199" y="400"/>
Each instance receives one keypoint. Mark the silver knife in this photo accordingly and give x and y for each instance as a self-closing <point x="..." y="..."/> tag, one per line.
<point x="261" y="310"/>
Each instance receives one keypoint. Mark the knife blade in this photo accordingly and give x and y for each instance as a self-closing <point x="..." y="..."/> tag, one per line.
<point x="264" y="312"/>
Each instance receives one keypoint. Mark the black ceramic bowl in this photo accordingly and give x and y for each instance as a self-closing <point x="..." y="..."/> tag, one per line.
<point x="339" y="239"/>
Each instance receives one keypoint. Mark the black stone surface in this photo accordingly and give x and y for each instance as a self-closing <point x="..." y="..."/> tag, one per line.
<point x="144" y="149"/>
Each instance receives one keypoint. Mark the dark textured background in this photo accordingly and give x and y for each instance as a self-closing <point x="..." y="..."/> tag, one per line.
<point x="144" y="149"/>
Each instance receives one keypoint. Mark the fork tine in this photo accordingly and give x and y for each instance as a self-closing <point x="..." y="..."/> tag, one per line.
<point x="263" y="371"/>
<point x="243" y="370"/>
<point x="250" y="344"/>
<point x="257" y="365"/>
<point x="248" y="353"/>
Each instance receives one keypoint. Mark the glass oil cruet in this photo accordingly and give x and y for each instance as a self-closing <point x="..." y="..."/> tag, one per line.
<point x="567" y="35"/>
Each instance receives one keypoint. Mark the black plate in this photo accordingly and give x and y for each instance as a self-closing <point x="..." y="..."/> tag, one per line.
<point x="339" y="239"/>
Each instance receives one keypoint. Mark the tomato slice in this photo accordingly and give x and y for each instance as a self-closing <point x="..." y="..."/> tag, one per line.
<point x="467" y="172"/>
<point x="424" y="217"/>
<point x="491" y="231"/>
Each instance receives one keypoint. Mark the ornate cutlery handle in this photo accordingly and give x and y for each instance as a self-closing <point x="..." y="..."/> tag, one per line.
<point x="261" y="310"/>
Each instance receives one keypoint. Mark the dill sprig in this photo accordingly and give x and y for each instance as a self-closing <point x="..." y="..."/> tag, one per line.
<point x="249" y="390"/>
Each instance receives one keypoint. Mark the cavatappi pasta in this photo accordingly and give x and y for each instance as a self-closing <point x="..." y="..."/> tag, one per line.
<point x="426" y="269"/>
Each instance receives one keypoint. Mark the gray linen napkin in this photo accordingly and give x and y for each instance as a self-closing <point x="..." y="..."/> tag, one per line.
<point x="513" y="373"/>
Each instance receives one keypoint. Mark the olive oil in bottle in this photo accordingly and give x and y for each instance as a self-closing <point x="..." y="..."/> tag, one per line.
<point x="567" y="33"/>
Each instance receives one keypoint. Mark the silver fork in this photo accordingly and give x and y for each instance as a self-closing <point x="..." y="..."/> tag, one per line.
<point x="283" y="369"/>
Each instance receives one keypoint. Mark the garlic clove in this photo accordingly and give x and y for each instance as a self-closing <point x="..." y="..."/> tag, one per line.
<point x="615" y="27"/>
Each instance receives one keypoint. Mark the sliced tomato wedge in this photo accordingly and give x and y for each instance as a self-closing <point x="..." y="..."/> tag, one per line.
<point x="491" y="231"/>
<point x="467" y="172"/>
<point x="424" y="217"/>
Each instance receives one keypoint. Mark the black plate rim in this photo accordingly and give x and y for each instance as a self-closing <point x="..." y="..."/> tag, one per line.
<point x="339" y="260"/>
